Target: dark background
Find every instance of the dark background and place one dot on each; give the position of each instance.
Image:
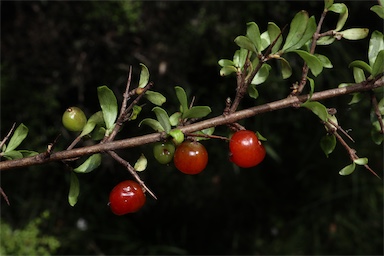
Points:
(55, 54)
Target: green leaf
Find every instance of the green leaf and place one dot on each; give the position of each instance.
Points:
(342, 10)
(135, 112)
(379, 10)
(317, 108)
(273, 32)
(312, 86)
(154, 124)
(245, 43)
(163, 118)
(328, 3)
(252, 91)
(376, 44)
(208, 131)
(355, 33)
(357, 97)
(227, 70)
(361, 161)
(308, 33)
(225, 62)
(262, 74)
(90, 164)
(95, 119)
(296, 30)
(378, 66)
(286, 70)
(175, 118)
(182, 97)
(177, 135)
(328, 144)
(108, 104)
(74, 189)
(358, 75)
(98, 133)
(347, 169)
(155, 97)
(144, 76)
(380, 106)
(197, 112)
(28, 153)
(18, 136)
(264, 41)
(324, 60)
(240, 57)
(253, 33)
(376, 136)
(141, 163)
(314, 64)
(325, 40)
(361, 64)
(11, 155)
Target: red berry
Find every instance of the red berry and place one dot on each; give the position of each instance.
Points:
(246, 149)
(126, 197)
(190, 157)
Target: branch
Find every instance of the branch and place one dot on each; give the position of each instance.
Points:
(212, 122)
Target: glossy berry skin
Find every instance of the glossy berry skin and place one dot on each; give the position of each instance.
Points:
(245, 149)
(163, 152)
(74, 119)
(190, 157)
(126, 197)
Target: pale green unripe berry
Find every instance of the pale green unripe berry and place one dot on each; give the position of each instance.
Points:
(74, 119)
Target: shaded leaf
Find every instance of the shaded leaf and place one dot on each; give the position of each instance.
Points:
(308, 33)
(314, 64)
(135, 112)
(312, 87)
(182, 97)
(90, 164)
(28, 153)
(358, 75)
(154, 124)
(317, 108)
(379, 10)
(18, 136)
(264, 41)
(208, 131)
(74, 189)
(240, 57)
(342, 10)
(274, 32)
(328, 144)
(95, 119)
(108, 104)
(328, 3)
(163, 118)
(227, 70)
(361, 64)
(144, 76)
(225, 62)
(296, 30)
(286, 70)
(252, 91)
(245, 43)
(324, 60)
(376, 44)
(325, 40)
(175, 118)
(253, 33)
(262, 74)
(378, 66)
(347, 169)
(197, 112)
(356, 97)
(11, 155)
(155, 97)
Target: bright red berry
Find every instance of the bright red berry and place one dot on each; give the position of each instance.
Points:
(190, 157)
(245, 149)
(126, 197)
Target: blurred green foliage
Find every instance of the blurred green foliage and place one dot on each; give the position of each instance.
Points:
(55, 55)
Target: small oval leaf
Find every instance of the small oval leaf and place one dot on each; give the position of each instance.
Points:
(245, 43)
(155, 97)
(141, 163)
(144, 76)
(182, 97)
(90, 164)
(355, 33)
(317, 108)
(253, 33)
(314, 64)
(95, 119)
(18, 136)
(361, 161)
(347, 169)
(360, 64)
(74, 189)
(163, 118)
(378, 66)
(177, 135)
(197, 112)
(376, 44)
(328, 144)
(108, 104)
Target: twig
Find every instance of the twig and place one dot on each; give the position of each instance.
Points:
(4, 196)
(6, 137)
(377, 111)
(305, 69)
(212, 122)
(131, 170)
